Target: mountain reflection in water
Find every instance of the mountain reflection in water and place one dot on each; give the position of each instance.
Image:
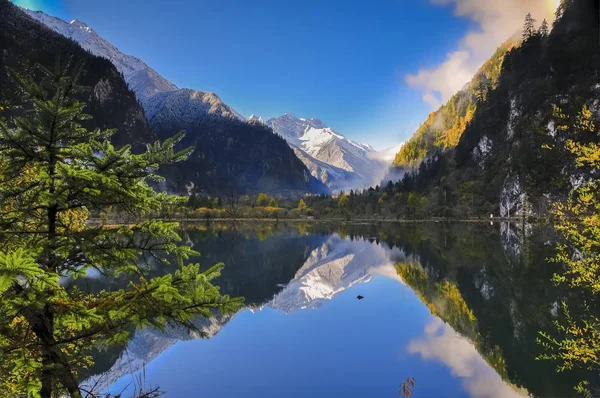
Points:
(457, 307)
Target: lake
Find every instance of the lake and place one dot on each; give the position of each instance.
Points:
(457, 307)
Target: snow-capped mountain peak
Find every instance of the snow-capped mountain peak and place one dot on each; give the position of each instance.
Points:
(311, 134)
(255, 119)
(337, 161)
(314, 123)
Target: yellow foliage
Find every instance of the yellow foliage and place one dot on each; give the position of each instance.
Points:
(73, 220)
(579, 222)
(343, 201)
(271, 209)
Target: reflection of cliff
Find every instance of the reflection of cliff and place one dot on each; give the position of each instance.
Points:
(500, 278)
(445, 301)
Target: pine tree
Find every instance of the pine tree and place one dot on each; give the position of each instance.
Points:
(543, 31)
(528, 27)
(560, 10)
(55, 175)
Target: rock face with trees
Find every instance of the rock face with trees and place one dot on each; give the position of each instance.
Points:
(443, 128)
(498, 162)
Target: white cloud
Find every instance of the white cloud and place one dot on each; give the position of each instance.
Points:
(442, 343)
(387, 155)
(496, 21)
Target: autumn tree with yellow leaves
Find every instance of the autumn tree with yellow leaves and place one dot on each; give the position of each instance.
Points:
(578, 342)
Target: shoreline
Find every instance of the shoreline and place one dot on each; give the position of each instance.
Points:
(512, 220)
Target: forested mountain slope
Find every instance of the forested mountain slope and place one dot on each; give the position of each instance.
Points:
(23, 42)
(230, 154)
(511, 159)
(443, 128)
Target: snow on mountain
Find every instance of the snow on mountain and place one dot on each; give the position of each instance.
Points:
(255, 119)
(335, 266)
(187, 106)
(334, 177)
(312, 136)
(144, 81)
(148, 344)
(337, 161)
(332, 268)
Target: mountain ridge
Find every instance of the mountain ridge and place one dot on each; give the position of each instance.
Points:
(25, 42)
(335, 160)
(140, 77)
(230, 154)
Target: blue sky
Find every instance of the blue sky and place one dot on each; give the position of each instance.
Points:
(344, 62)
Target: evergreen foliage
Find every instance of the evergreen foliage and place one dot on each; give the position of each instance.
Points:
(528, 27)
(543, 31)
(54, 175)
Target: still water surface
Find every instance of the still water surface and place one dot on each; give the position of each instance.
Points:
(457, 307)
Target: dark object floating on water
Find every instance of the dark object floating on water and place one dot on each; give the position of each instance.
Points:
(359, 297)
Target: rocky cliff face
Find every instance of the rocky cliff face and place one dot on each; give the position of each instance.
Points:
(511, 157)
(444, 127)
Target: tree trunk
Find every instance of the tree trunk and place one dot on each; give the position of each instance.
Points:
(55, 366)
